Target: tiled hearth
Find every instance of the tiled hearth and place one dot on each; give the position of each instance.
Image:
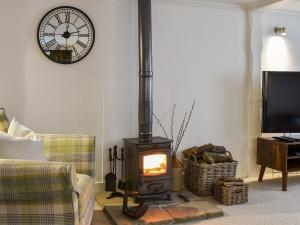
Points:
(162, 212)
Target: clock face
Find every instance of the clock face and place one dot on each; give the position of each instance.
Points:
(66, 35)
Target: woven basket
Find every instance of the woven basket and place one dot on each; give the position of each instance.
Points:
(231, 193)
(199, 178)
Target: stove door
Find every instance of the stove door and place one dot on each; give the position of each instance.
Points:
(155, 164)
(154, 171)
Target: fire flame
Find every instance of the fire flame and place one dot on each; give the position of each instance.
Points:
(155, 164)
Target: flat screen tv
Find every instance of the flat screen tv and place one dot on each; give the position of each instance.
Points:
(281, 102)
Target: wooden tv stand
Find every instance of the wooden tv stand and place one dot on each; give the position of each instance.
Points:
(278, 155)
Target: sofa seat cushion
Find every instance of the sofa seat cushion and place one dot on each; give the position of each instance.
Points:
(85, 190)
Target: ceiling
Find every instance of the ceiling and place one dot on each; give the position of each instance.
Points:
(281, 5)
(291, 6)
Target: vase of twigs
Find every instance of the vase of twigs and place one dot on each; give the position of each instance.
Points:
(177, 174)
(177, 166)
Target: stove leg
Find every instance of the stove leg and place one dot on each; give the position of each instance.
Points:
(169, 198)
(136, 211)
(136, 199)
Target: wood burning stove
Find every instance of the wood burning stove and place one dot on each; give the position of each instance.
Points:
(148, 167)
(147, 158)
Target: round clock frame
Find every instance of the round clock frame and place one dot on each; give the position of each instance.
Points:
(55, 45)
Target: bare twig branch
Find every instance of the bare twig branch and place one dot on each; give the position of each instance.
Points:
(186, 125)
(182, 129)
(172, 127)
(179, 134)
(161, 126)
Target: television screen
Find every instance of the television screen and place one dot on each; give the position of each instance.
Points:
(281, 102)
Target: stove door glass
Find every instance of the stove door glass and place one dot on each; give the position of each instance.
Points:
(155, 164)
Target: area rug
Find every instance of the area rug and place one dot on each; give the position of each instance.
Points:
(102, 200)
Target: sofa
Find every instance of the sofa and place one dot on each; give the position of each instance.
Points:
(55, 192)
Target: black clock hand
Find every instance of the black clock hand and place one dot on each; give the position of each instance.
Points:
(75, 32)
(69, 33)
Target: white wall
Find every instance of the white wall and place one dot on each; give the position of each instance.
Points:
(198, 50)
(281, 52)
(199, 53)
(270, 52)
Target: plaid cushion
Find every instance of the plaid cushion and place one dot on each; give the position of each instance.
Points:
(35, 192)
(76, 149)
(4, 122)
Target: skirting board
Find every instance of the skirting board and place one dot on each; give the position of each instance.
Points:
(99, 187)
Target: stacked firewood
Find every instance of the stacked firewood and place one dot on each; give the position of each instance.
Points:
(208, 153)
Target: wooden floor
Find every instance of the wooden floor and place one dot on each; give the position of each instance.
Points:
(99, 218)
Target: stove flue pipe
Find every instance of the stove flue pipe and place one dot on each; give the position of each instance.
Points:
(145, 70)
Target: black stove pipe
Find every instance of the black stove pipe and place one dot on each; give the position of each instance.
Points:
(145, 70)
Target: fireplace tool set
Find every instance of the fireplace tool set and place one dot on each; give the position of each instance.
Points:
(111, 177)
(111, 185)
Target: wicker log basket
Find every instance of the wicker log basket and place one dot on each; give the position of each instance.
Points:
(199, 178)
(231, 193)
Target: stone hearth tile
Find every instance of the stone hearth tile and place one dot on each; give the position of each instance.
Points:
(175, 200)
(196, 210)
(154, 216)
(189, 196)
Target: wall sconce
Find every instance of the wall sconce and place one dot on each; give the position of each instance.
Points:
(280, 31)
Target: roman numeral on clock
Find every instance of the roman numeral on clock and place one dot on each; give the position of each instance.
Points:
(58, 19)
(49, 34)
(75, 51)
(54, 27)
(83, 35)
(81, 44)
(57, 47)
(50, 43)
(67, 17)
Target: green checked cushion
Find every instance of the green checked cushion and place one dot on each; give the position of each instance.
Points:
(76, 149)
(4, 122)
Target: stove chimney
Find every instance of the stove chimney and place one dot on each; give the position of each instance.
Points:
(145, 71)
(141, 176)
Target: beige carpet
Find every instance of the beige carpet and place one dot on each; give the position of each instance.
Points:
(267, 205)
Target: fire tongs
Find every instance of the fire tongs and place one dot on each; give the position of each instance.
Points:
(136, 211)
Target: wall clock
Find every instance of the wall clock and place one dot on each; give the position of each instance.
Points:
(66, 35)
